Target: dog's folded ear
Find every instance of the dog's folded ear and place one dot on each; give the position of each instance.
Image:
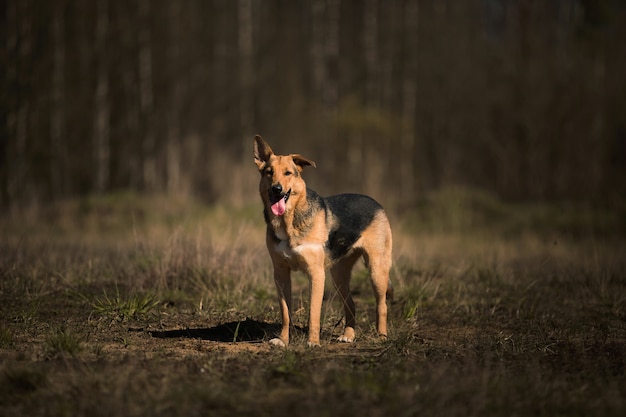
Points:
(262, 151)
(301, 161)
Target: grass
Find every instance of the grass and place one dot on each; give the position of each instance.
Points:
(63, 341)
(172, 317)
(123, 309)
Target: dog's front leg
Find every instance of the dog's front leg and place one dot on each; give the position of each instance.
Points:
(316, 277)
(282, 279)
(312, 257)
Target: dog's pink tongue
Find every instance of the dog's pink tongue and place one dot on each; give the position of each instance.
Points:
(278, 208)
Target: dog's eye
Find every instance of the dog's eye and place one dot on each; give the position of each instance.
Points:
(288, 173)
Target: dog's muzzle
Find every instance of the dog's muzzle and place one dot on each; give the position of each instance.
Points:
(278, 199)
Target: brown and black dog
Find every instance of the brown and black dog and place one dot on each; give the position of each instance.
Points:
(310, 233)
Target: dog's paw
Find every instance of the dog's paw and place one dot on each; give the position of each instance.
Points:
(277, 342)
(313, 344)
(345, 339)
(347, 336)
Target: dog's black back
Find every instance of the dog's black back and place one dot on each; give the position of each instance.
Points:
(349, 216)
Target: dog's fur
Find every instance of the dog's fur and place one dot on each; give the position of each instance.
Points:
(309, 233)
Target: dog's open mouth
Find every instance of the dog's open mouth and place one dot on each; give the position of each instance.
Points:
(278, 203)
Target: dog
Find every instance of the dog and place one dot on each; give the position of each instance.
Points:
(310, 233)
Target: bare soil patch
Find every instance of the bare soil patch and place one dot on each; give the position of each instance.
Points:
(175, 321)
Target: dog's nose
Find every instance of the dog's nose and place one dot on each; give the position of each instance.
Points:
(277, 189)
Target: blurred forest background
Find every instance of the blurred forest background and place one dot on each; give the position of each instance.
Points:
(522, 99)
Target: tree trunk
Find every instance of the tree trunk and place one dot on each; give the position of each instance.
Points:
(18, 183)
(246, 68)
(7, 151)
(331, 88)
(102, 110)
(59, 173)
(174, 185)
(409, 104)
(319, 71)
(146, 97)
(372, 60)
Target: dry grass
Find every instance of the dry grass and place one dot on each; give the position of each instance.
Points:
(169, 314)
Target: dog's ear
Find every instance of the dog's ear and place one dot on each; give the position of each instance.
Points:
(262, 151)
(301, 161)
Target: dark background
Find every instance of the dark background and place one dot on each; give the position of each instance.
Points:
(522, 99)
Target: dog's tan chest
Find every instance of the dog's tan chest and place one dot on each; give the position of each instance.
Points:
(301, 256)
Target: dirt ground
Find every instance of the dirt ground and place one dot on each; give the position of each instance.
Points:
(177, 321)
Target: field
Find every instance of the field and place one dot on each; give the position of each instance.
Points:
(129, 306)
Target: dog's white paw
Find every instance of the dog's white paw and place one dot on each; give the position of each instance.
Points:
(345, 339)
(277, 342)
(313, 344)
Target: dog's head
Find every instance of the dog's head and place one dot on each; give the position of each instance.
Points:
(281, 185)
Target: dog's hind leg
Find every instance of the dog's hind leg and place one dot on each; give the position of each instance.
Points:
(378, 259)
(379, 271)
(341, 273)
(377, 245)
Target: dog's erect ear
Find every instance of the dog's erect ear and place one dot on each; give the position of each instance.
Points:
(301, 161)
(262, 151)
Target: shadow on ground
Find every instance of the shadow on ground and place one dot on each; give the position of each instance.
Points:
(247, 330)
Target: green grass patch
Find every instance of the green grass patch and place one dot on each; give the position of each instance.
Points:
(118, 308)
(6, 338)
(63, 341)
